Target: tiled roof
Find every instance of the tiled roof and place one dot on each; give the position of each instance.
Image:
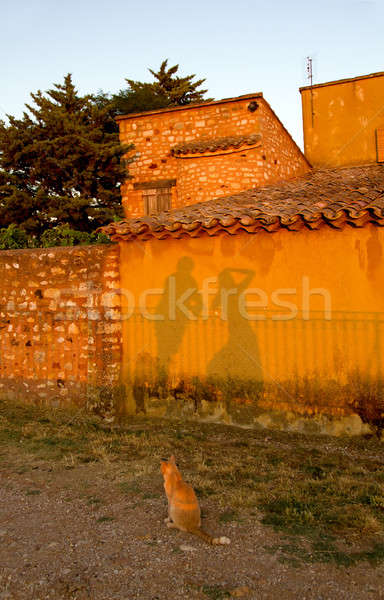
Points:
(202, 145)
(353, 196)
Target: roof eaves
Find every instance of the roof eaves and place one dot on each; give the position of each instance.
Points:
(335, 198)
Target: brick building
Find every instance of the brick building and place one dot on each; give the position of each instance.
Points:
(189, 154)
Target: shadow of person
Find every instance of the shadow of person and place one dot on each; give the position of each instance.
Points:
(239, 358)
(179, 304)
(144, 379)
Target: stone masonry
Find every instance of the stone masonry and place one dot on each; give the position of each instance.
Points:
(195, 153)
(60, 324)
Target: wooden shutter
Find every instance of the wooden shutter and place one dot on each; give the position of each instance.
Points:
(150, 202)
(156, 200)
(380, 144)
(163, 199)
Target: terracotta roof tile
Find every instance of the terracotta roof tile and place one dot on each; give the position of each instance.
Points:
(352, 196)
(202, 145)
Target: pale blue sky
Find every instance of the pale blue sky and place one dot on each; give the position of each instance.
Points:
(240, 46)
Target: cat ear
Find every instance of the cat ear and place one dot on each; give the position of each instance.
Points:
(172, 459)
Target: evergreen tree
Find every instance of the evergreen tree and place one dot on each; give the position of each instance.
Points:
(178, 90)
(138, 97)
(168, 89)
(62, 162)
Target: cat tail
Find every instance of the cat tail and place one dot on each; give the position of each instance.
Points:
(211, 540)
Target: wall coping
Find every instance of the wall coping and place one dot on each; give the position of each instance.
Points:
(188, 106)
(341, 81)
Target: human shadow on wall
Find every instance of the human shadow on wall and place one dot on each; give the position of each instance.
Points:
(179, 305)
(238, 361)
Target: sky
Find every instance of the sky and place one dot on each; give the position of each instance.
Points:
(239, 46)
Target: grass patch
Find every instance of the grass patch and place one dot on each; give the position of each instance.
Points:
(325, 495)
(94, 501)
(105, 519)
(325, 550)
(215, 592)
(32, 492)
(150, 495)
(227, 516)
(129, 488)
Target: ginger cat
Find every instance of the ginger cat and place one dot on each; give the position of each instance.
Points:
(183, 506)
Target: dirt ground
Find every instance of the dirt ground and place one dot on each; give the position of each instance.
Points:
(69, 533)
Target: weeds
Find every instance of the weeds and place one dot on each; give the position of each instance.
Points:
(326, 495)
(93, 500)
(215, 592)
(227, 516)
(129, 487)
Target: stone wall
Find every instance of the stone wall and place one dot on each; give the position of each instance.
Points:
(311, 360)
(60, 324)
(282, 159)
(222, 174)
(207, 175)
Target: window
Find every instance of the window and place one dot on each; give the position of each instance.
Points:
(380, 144)
(156, 200)
(157, 195)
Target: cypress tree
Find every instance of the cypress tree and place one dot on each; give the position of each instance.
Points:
(168, 89)
(179, 90)
(62, 162)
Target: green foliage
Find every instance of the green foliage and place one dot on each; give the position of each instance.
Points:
(179, 90)
(63, 235)
(215, 592)
(62, 162)
(13, 237)
(168, 89)
(138, 97)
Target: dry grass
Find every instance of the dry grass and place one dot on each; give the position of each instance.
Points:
(326, 495)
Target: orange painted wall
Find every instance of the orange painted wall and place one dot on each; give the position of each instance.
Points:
(340, 119)
(305, 362)
(290, 322)
(201, 178)
(60, 340)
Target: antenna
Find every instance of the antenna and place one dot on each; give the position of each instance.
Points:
(309, 70)
(310, 77)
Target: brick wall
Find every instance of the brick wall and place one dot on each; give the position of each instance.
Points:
(201, 177)
(60, 328)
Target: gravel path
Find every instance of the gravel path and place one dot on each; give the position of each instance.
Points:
(57, 545)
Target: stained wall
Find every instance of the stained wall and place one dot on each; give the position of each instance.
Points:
(280, 329)
(341, 119)
(288, 322)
